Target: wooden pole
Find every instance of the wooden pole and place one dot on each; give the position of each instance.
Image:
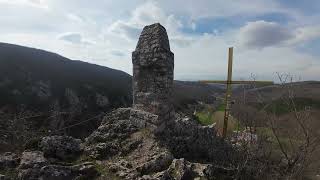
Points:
(228, 94)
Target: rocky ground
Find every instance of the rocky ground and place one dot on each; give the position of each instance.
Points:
(127, 146)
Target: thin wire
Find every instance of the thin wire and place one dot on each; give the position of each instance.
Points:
(42, 114)
(76, 124)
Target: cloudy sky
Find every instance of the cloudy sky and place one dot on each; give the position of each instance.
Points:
(269, 36)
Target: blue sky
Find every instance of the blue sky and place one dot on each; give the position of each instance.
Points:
(269, 36)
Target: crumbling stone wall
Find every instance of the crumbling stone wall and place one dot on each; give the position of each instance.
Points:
(153, 65)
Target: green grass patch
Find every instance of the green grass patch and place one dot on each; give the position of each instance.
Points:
(221, 107)
(205, 117)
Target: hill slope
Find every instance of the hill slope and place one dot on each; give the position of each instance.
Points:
(43, 76)
(58, 91)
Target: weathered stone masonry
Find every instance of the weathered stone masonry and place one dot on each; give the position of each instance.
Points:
(153, 65)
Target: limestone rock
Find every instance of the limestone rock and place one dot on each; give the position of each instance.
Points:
(186, 138)
(52, 172)
(120, 113)
(42, 89)
(60, 147)
(85, 170)
(143, 119)
(102, 100)
(179, 170)
(30, 159)
(133, 151)
(101, 150)
(145, 161)
(123, 169)
(158, 163)
(153, 65)
(72, 97)
(9, 160)
(126, 142)
(156, 176)
(30, 165)
(113, 135)
(109, 139)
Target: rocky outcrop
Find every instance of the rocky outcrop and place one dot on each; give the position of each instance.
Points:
(126, 147)
(110, 137)
(132, 150)
(31, 159)
(30, 165)
(153, 65)
(102, 101)
(34, 165)
(186, 138)
(9, 160)
(179, 169)
(156, 163)
(85, 170)
(60, 147)
(125, 142)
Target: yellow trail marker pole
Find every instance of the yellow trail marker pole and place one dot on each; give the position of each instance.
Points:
(228, 94)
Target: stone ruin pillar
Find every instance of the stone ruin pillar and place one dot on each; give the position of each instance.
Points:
(153, 65)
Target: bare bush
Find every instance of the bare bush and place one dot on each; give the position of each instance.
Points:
(287, 141)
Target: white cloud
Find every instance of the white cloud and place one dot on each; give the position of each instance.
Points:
(206, 58)
(260, 34)
(220, 8)
(182, 41)
(32, 3)
(148, 13)
(75, 38)
(145, 14)
(193, 25)
(117, 53)
(125, 30)
(304, 34)
(75, 18)
(266, 62)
